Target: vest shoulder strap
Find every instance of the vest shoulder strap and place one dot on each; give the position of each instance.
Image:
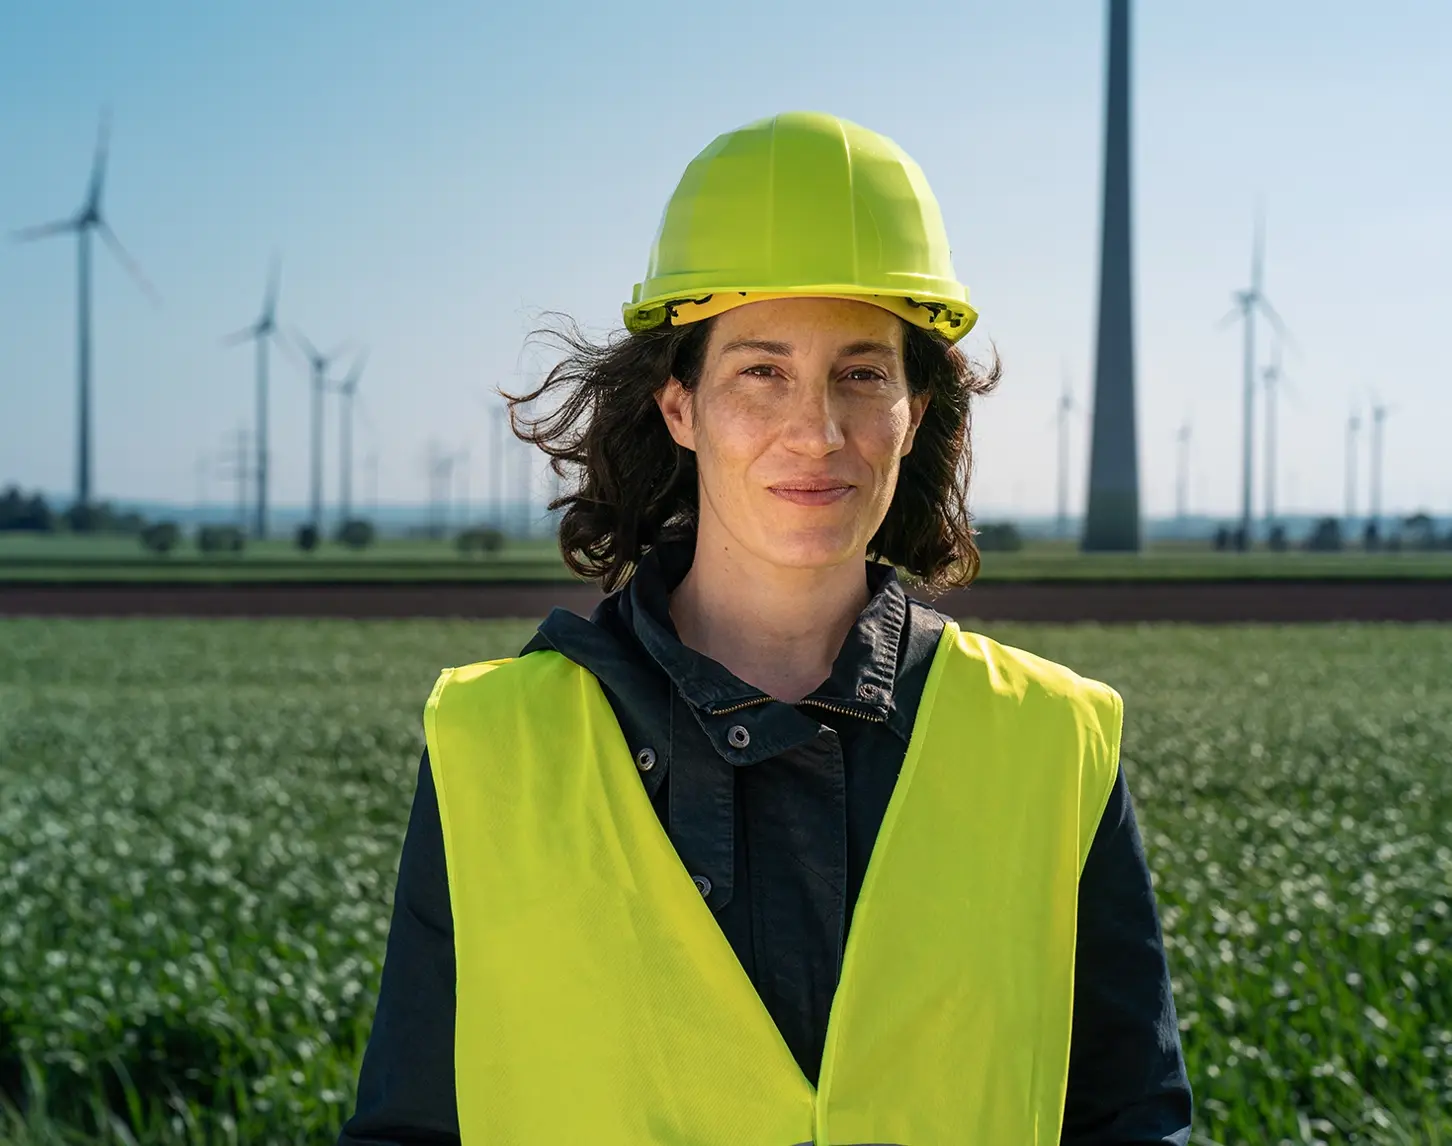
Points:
(1095, 710)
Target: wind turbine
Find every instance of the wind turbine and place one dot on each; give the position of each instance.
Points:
(525, 456)
(319, 363)
(1182, 478)
(1353, 424)
(501, 437)
(348, 388)
(259, 333)
(89, 218)
(1066, 407)
(1247, 302)
(461, 459)
(1379, 411)
(1275, 378)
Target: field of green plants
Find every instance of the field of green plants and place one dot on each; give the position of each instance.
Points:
(200, 825)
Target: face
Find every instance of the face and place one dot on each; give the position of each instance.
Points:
(798, 422)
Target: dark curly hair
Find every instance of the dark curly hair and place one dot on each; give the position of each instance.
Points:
(635, 487)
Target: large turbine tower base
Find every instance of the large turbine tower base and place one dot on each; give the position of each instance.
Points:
(1112, 515)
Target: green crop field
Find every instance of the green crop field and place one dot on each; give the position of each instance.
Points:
(201, 822)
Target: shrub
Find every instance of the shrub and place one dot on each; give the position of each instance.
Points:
(1419, 532)
(998, 537)
(356, 533)
(1277, 539)
(220, 539)
(483, 539)
(160, 537)
(1325, 535)
(18, 512)
(307, 538)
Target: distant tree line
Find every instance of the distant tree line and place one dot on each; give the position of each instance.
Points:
(32, 514)
(1416, 532)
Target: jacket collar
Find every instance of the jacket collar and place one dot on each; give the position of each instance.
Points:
(862, 676)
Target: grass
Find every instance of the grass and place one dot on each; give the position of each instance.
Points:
(80, 559)
(201, 822)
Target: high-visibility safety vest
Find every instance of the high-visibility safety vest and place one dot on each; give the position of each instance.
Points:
(598, 1000)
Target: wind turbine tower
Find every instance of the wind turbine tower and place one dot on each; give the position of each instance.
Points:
(319, 363)
(260, 333)
(1353, 424)
(1379, 411)
(1066, 408)
(348, 390)
(1273, 376)
(1182, 477)
(1247, 303)
(1111, 519)
(89, 218)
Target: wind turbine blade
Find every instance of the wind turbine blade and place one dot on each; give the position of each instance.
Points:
(98, 164)
(269, 302)
(351, 381)
(337, 351)
(1228, 319)
(1257, 258)
(307, 347)
(127, 261)
(45, 230)
(1277, 323)
(286, 343)
(246, 334)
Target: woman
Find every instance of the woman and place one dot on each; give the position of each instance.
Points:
(767, 852)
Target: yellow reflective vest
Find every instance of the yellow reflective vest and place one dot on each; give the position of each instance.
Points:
(598, 1001)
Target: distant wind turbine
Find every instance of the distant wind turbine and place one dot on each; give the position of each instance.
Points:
(1275, 379)
(1247, 302)
(260, 333)
(348, 390)
(1182, 479)
(1353, 424)
(1066, 408)
(89, 218)
(1379, 411)
(319, 363)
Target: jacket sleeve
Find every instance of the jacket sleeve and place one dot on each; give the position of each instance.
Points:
(406, 1085)
(1127, 1080)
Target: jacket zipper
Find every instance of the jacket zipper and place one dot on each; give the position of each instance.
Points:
(869, 716)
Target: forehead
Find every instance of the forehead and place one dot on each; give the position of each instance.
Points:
(808, 325)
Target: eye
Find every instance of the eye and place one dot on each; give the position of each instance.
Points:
(760, 370)
(865, 374)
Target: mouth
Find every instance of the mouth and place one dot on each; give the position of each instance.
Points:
(812, 492)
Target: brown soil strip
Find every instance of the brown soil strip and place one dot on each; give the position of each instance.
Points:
(1203, 602)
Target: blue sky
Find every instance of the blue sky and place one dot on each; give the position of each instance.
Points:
(437, 175)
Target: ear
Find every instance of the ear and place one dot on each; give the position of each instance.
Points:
(676, 407)
(917, 407)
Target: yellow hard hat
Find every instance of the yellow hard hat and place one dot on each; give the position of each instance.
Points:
(802, 204)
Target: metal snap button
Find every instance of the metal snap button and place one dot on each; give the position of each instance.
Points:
(703, 885)
(738, 736)
(867, 691)
(645, 759)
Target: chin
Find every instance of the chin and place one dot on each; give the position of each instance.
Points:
(815, 549)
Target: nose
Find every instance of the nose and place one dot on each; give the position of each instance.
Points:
(812, 423)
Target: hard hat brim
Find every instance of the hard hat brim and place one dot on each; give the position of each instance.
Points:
(950, 317)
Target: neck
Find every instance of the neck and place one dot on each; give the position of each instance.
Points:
(775, 627)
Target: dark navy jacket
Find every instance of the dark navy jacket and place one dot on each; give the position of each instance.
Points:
(777, 835)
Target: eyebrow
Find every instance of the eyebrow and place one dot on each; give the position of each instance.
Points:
(784, 349)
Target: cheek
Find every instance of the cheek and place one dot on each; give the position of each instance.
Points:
(881, 435)
(733, 431)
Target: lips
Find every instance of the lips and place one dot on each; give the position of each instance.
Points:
(812, 492)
